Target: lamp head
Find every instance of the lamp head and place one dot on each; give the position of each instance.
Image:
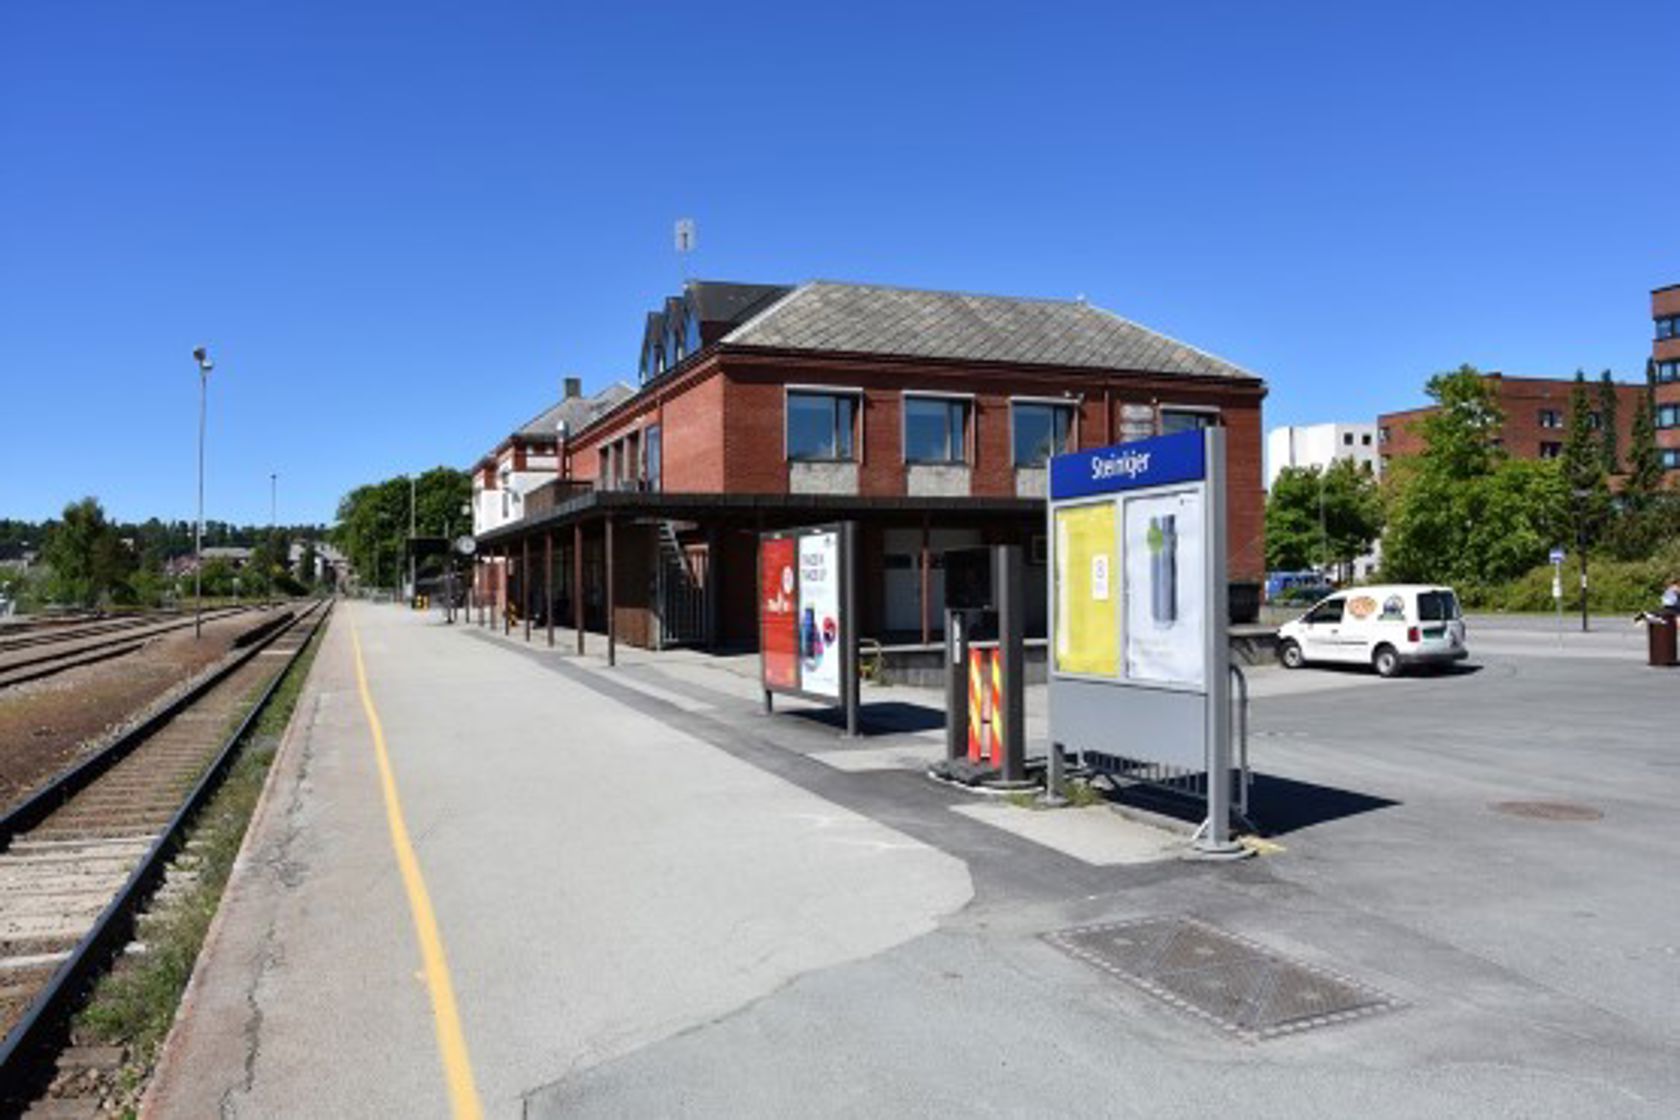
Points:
(202, 357)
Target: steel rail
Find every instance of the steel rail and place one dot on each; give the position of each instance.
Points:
(123, 629)
(49, 1011)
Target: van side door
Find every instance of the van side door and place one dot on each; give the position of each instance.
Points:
(1321, 630)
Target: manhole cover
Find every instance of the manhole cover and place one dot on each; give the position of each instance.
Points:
(1230, 981)
(1548, 810)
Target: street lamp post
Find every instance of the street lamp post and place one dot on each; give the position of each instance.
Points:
(413, 582)
(1581, 497)
(205, 365)
(273, 507)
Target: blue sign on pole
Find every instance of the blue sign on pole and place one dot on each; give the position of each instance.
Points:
(1557, 555)
(1180, 457)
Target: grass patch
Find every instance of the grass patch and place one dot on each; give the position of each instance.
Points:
(134, 1004)
(1079, 795)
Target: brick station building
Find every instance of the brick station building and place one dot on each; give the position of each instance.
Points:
(1536, 418)
(1665, 375)
(926, 417)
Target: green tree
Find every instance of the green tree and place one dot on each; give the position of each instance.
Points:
(1462, 433)
(89, 562)
(372, 527)
(308, 561)
(1322, 517)
(1608, 439)
(1645, 471)
(1583, 465)
(1462, 511)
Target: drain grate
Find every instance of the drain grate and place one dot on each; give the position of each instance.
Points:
(1228, 980)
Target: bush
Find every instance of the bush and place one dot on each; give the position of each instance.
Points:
(1613, 586)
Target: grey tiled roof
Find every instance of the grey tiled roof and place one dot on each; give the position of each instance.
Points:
(576, 411)
(868, 319)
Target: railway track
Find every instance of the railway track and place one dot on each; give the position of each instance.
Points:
(80, 858)
(41, 655)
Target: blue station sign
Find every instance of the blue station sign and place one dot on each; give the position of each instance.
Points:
(1180, 457)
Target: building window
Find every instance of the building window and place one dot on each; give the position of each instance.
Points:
(1671, 458)
(1184, 420)
(1668, 416)
(935, 429)
(1668, 327)
(1668, 371)
(1382, 434)
(652, 456)
(1040, 431)
(821, 426)
(1550, 450)
(1365, 439)
(1595, 420)
(1551, 418)
(1347, 439)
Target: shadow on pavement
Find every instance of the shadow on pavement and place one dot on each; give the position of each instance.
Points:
(886, 717)
(1275, 805)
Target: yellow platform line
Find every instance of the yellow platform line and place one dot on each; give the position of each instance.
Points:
(446, 1017)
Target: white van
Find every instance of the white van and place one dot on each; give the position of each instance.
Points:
(1387, 628)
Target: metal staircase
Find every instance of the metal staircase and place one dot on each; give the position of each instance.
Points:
(680, 591)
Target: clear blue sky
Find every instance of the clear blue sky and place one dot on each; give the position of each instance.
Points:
(399, 225)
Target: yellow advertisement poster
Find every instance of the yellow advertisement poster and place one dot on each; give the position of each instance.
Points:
(1088, 580)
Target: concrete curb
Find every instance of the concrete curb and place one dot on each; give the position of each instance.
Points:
(163, 1073)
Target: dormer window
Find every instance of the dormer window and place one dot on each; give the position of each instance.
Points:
(691, 328)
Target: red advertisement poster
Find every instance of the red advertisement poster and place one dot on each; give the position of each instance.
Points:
(778, 608)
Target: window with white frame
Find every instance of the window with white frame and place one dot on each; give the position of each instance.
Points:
(935, 429)
(821, 426)
(1189, 420)
(1040, 430)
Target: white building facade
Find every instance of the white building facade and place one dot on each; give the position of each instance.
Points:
(1320, 445)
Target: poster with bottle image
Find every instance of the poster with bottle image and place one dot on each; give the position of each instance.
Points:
(819, 614)
(1164, 633)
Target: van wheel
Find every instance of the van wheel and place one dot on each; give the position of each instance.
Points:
(1386, 662)
(1290, 654)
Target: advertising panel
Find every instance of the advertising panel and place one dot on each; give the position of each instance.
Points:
(1087, 591)
(819, 613)
(778, 612)
(1165, 615)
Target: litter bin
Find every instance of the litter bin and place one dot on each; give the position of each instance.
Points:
(1660, 636)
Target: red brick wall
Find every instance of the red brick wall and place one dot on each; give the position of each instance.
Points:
(1522, 400)
(1666, 302)
(691, 438)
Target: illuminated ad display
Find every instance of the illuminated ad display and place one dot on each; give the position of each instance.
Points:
(819, 614)
(1129, 558)
(802, 623)
(778, 611)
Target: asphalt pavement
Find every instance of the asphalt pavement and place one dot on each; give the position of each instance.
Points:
(658, 901)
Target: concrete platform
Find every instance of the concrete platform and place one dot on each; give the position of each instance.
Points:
(601, 880)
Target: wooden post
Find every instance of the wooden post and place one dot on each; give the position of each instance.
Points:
(507, 589)
(577, 582)
(714, 544)
(612, 615)
(548, 584)
(525, 585)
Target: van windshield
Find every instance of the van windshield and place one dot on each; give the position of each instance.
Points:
(1437, 606)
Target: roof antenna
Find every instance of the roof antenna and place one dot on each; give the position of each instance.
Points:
(684, 236)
